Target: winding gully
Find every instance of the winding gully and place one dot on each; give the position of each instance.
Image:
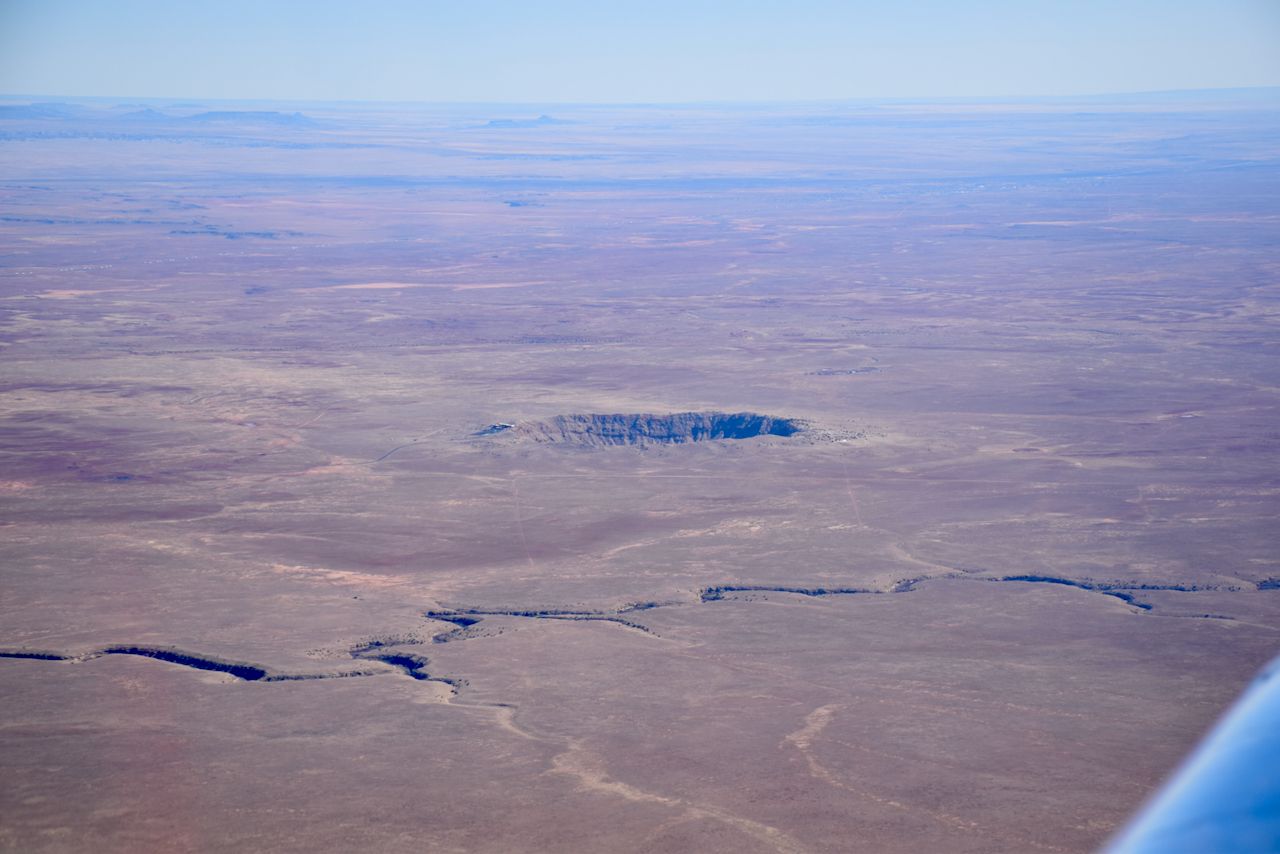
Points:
(388, 657)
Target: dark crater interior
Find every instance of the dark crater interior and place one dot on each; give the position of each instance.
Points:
(645, 429)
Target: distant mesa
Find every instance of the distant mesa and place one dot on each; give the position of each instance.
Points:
(645, 429)
(146, 114)
(39, 111)
(540, 121)
(242, 117)
(149, 115)
(261, 117)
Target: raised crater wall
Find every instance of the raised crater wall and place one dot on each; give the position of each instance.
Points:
(598, 430)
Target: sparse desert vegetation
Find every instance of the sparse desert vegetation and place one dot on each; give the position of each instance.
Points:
(785, 478)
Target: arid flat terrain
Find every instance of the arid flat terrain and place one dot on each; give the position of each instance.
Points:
(887, 477)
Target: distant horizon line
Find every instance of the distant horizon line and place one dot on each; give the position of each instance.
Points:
(885, 99)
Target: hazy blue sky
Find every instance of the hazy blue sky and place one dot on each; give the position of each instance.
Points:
(656, 50)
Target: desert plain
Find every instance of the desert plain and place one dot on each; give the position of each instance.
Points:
(887, 477)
